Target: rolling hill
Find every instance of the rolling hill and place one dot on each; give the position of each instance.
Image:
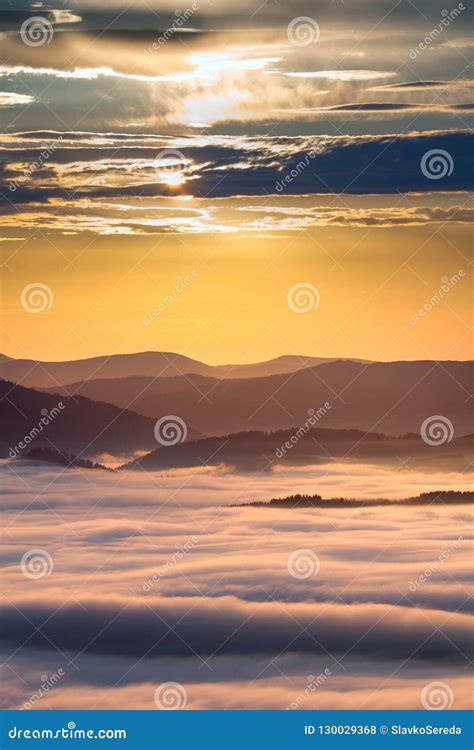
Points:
(38, 374)
(450, 497)
(389, 397)
(80, 426)
(259, 451)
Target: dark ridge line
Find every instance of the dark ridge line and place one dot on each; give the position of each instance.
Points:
(316, 501)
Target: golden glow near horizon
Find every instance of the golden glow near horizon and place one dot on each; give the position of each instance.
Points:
(224, 299)
(232, 184)
(196, 180)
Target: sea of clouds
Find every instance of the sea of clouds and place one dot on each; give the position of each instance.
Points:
(153, 578)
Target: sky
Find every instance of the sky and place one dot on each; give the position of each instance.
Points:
(235, 182)
(210, 162)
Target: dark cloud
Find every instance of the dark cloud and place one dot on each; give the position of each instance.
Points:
(370, 107)
(11, 19)
(119, 14)
(185, 627)
(393, 107)
(412, 85)
(254, 166)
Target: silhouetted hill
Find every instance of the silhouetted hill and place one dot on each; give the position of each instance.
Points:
(32, 418)
(442, 497)
(38, 374)
(389, 397)
(258, 451)
(60, 458)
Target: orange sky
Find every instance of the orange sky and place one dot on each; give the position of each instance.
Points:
(128, 164)
(224, 299)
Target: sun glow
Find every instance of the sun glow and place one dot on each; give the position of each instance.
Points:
(173, 178)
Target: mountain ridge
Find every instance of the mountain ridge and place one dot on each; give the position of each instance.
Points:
(47, 374)
(80, 426)
(394, 397)
(261, 451)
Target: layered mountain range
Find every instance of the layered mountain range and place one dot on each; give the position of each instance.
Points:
(39, 374)
(239, 415)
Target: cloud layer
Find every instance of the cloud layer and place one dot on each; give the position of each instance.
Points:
(175, 586)
(121, 184)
